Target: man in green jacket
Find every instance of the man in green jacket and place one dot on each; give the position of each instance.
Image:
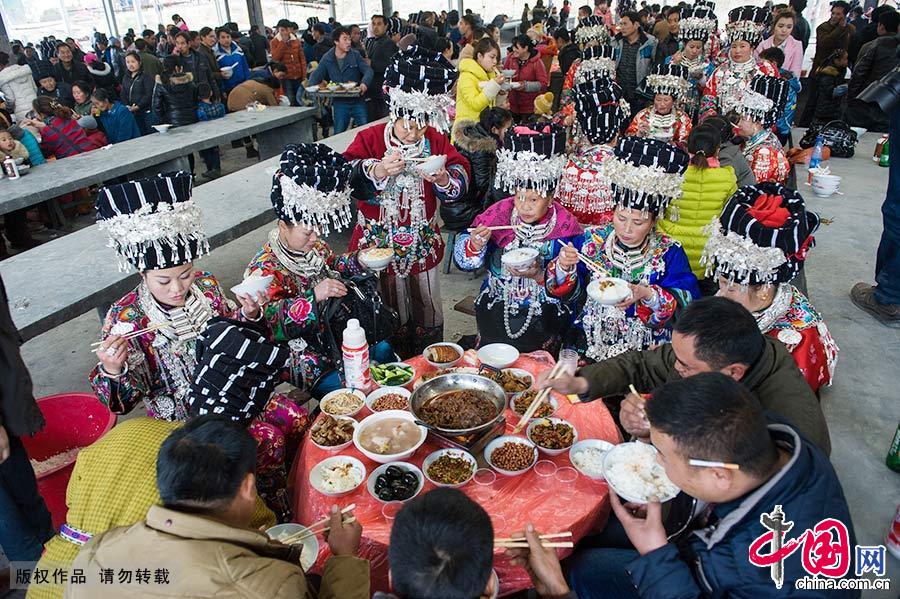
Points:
(713, 334)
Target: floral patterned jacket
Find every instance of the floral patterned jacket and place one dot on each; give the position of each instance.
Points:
(146, 379)
(292, 312)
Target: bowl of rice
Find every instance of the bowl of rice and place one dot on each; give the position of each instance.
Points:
(634, 474)
(587, 456)
(310, 544)
(338, 475)
(343, 402)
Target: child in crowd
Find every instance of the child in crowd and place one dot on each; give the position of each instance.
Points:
(9, 147)
(207, 110)
(786, 120)
(771, 470)
(707, 186)
(442, 545)
(832, 88)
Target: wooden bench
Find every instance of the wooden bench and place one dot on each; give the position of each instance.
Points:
(72, 275)
(151, 154)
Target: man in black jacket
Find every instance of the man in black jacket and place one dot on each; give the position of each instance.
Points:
(259, 44)
(25, 525)
(876, 59)
(801, 29)
(192, 61)
(669, 45)
(380, 49)
(427, 34)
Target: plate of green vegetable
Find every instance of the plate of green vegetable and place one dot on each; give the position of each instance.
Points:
(393, 374)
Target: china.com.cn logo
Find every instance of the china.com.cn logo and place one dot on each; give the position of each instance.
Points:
(825, 552)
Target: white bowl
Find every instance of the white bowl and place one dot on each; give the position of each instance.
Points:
(588, 444)
(315, 475)
(824, 193)
(370, 484)
(340, 447)
(23, 169)
(508, 72)
(489, 451)
(369, 258)
(546, 450)
(311, 89)
(385, 458)
(253, 285)
(452, 363)
(616, 484)
(859, 131)
(457, 453)
(348, 85)
(520, 372)
(381, 391)
(162, 128)
(550, 399)
(355, 392)
(310, 550)
(611, 295)
(433, 164)
(498, 355)
(519, 257)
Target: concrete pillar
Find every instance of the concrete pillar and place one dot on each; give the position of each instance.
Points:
(227, 11)
(110, 15)
(139, 17)
(255, 13)
(387, 8)
(159, 15)
(4, 36)
(331, 10)
(65, 17)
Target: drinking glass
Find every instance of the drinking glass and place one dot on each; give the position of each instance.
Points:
(546, 473)
(389, 510)
(566, 477)
(568, 360)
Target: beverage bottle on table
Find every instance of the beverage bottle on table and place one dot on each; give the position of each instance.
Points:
(893, 456)
(10, 168)
(355, 350)
(816, 159)
(885, 159)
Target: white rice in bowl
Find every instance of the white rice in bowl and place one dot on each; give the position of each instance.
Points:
(340, 477)
(632, 471)
(590, 461)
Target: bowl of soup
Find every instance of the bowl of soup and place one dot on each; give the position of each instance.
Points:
(389, 436)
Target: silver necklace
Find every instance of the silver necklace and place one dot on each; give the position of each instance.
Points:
(305, 264)
(767, 318)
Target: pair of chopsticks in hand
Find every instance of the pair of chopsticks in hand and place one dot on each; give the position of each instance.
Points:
(694, 461)
(497, 228)
(318, 527)
(589, 264)
(538, 399)
(522, 543)
(138, 333)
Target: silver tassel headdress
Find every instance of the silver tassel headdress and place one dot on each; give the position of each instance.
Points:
(596, 61)
(696, 23)
(762, 236)
(152, 223)
(669, 79)
(592, 29)
(419, 83)
(531, 159)
(312, 187)
(747, 23)
(645, 174)
(764, 100)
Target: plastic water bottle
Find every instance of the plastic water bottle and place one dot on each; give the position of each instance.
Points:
(355, 350)
(816, 157)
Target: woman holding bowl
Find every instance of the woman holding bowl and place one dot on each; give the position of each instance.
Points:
(645, 175)
(515, 239)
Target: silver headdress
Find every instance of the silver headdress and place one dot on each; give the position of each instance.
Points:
(532, 159)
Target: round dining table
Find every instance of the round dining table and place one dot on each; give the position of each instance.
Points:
(579, 507)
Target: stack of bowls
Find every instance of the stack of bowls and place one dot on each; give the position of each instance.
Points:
(824, 185)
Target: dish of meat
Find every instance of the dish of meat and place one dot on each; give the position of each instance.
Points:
(455, 410)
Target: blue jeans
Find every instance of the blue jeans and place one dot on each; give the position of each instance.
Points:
(344, 111)
(25, 523)
(600, 574)
(887, 263)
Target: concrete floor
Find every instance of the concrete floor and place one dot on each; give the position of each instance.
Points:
(862, 406)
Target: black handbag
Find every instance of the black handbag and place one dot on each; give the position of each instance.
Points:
(838, 136)
(363, 303)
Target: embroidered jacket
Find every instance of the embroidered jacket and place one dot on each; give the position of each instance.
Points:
(584, 189)
(725, 86)
(148, 379)
(677, 134)
(766, 157)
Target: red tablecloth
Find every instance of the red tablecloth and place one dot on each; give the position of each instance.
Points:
(513, 501)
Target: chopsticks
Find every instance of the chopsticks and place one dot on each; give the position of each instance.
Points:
(540, 397)
(138, 333)
(591, 265)
(708, 464)
(497, 228)
(633, 390)
(311, 529)
(521, 542)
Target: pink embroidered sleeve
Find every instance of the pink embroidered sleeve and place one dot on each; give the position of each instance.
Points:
(657, 313)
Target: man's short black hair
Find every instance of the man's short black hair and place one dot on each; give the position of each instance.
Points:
(724, 332)
(631, 16)
(320, 28)
(275, 65)
(204, 91)
(141, 44)
(147, 32)
(201, 465)
(673, 11)
(890, 20)
(712, 417)
(383, 20)
(471, 20)
(337, 32)
(841, 4)
(442, 545)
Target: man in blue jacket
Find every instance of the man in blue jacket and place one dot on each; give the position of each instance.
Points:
(747, 466)
(343, 64)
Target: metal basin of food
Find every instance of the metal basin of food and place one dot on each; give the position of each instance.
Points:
(458, 382)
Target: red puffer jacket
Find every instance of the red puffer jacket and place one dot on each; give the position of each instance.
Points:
(533, 73)
(65, 137)
(291, 54)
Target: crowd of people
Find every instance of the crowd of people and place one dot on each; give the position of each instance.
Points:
(659, 163)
